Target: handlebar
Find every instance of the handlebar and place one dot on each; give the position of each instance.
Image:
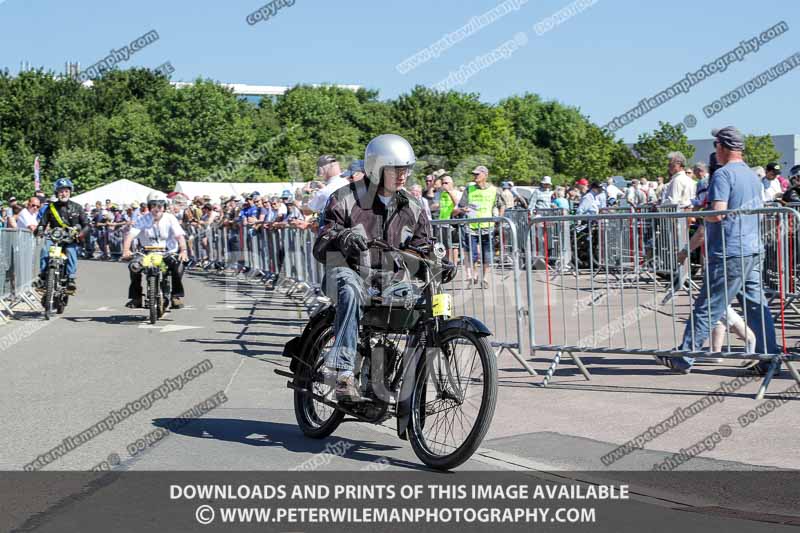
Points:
(61, 234)
(404, 250)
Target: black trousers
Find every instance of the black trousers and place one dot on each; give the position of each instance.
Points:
(175, 270)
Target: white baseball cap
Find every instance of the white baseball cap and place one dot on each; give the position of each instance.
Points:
(547, 180)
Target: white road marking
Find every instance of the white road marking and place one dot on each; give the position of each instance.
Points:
(168, 328)
(174, 327)
(233, 376)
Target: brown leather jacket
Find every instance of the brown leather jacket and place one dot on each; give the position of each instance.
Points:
(357, 206)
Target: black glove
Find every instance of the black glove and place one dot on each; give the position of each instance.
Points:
(449, 270)
(352, 243)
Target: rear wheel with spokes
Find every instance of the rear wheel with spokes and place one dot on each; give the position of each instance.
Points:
(454, 399)
(316, 419)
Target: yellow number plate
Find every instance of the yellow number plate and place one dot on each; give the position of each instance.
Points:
(152, 260)
(442, 305)
(55, 251)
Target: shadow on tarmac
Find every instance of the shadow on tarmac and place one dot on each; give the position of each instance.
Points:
(287, 436)
(243, 347)
(113, 320)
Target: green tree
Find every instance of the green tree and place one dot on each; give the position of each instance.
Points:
(16, 170)
(115, 88)
(203, 126)
(443, 126)
(512, 158)
(87, 168)
(652, 148)
(41, 110)
(133, 124)
(759, 150)
(578, 147)
(133, 147)
(317, 120)
(591, 155)
(622, 159)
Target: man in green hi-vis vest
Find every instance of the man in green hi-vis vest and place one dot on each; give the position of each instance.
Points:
(446, 201)
(481, 200)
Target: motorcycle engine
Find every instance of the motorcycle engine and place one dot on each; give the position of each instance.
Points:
(381, 357)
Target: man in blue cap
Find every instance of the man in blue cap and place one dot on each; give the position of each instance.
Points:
(735, 253)
(355, 171)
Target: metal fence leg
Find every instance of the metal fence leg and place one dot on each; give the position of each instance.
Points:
(792, 370)
(551, 369)
(299, 290)
(771, 372)
(580, 366)
(30, 299)
(8, 310)
(519, 358)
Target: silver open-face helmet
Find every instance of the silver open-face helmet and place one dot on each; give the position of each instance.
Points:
(388, 150)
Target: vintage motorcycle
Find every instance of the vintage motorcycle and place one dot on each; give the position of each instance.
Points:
(436, 374)
(55, 282)
(158, 286)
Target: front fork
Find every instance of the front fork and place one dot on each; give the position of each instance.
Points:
(149, 273)
(418, 367)
(414, 368)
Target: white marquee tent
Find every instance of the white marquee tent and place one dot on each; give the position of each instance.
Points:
(119, 192)
(216, 190)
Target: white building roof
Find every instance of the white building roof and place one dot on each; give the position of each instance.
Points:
(245, 89)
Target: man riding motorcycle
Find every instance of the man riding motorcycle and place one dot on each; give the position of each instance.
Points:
(377, 208)
(162, 229)
(63, 213)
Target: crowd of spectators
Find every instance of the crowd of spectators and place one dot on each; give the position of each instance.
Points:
(684, 187)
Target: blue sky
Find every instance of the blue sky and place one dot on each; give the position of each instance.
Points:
(603, 60)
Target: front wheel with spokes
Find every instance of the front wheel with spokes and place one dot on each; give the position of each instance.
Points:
(454, 399)
(49, 292)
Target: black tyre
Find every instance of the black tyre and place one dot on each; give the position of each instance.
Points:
(61, 305)
(153, 298)
(454, 399)
(49, 293)
(166, 294)
(316, 420)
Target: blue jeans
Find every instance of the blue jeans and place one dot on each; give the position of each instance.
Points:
(261, 243)
(744, 283)
(234, 250)
(71, 250)
(484, 245)
(89, 243)
(348, 292)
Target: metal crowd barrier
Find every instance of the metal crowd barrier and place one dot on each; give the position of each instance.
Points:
(484, 291)
(585, 312)
(789, 273)
(604, 284)
(19, 264)
(283, 257)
